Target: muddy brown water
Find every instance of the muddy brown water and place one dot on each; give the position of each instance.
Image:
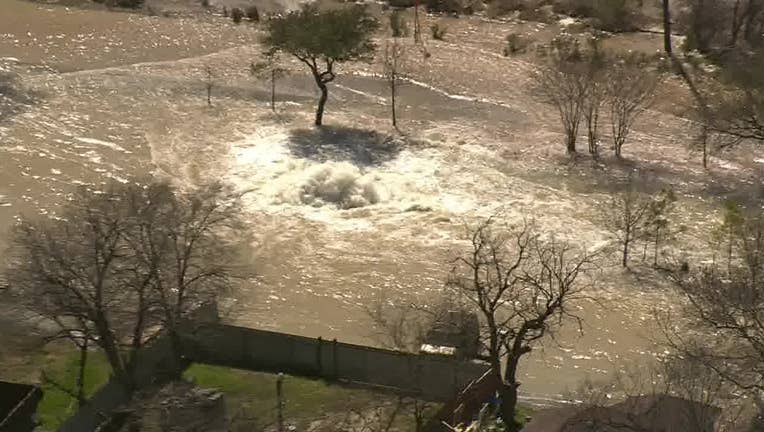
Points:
(122, 96)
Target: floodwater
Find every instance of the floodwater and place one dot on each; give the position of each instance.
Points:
(339, 217)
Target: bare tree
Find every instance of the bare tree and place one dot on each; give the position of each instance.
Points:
(625, 215)
(121, 263)
(208, 83)
(521, 286)
(398, 325)
(725, 307)
(270, 70)
(658, 224)
(631, 88)
(564, 83)
(393, 64)
(596, 93)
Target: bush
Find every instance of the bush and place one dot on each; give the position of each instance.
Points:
(445, 6)
(205, 3)
(252, 13)
(237, 15)
(131, 4)
(497, 8)
(609, 15)
(516, 43)
(398, 24)
(438, 31)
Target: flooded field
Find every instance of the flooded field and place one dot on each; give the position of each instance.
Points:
(355, 211)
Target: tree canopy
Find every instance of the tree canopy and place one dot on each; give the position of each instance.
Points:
(336, 35)
(321, 38)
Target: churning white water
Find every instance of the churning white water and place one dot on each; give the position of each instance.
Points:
(273, 179)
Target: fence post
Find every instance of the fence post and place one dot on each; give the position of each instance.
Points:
(280, 401)
(319, 359)
(334, 358)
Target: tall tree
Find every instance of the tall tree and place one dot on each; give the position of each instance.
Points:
(323, 38)
(122, 263)
(522, 287)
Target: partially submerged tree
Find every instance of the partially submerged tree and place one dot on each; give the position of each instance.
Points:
(595, 95)
(725, 308)
(270, 70)
(626, 215)
(659, 228)
(521, 286)
(322, 38)
(393, 64)
(208, 83)
(564, 83)
(121, 264)
(631, 88)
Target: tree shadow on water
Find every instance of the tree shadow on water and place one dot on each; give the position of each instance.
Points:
(338, 143)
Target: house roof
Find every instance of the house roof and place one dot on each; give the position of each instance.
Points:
(654, 413)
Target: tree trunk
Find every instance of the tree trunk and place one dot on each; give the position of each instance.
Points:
(111, 350)
(667, 27)
(417, 30)
(655, 251)
(626, 244)
(509, 395)
(392, 94)
(571, 143)
(321, 103)
(273, 90)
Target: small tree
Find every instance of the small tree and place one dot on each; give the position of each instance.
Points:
(398, 25)
(658, 224)
(564, 83)
(630, 93)
(252, 13)
(522, 287)
(393, 63)
(208, 83)
(320, 39)
(237, 15)
(596, 91)
(626, 215)
(270, 70)
(631, 89)
(730, 229)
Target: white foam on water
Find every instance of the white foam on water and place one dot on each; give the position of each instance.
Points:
(102, 143)
(272, 179)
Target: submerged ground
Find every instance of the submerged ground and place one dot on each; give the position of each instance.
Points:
(356, 211)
